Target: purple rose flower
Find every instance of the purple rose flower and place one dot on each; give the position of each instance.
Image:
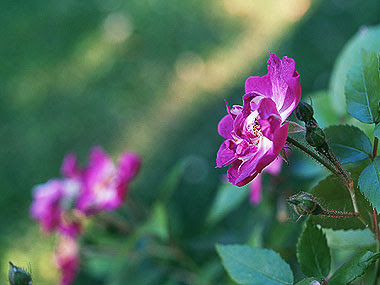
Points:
(105, 185)
(255, 132)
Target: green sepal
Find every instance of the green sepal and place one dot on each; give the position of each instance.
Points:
(304, 112)
(18, 276)
(305, 204)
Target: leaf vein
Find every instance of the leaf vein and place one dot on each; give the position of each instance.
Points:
(255, 269)
(351, 148)
(366, 94)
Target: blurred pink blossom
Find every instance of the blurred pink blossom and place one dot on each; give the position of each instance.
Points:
(49, 206)
(46, 204)
(256, 132)
(256, 187)
(104, 184)
(62, 204)
(67, 259)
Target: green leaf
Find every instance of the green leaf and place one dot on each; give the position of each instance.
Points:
(227, 199)
(247, 265)
(367, 38)
(157, 224)
(349, 238)
(171, 181)
(369, 183)
(334, 196)
(363, 89)
(100, 264)
(324, 112)
(376, 132)
(311, 281)
(351, 270)
(313, 252)
(348, 143)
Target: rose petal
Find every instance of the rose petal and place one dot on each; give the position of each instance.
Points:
(69, 166)
(286, 86)
(275, 167)
(259, 85)
(242, 173)
(269, 118)
(225, 127)
(46, 204)
(225, 155)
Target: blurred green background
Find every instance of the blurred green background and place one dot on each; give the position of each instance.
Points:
(149, 76)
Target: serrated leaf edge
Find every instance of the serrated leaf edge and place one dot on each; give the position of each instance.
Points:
(299, 241)
(353, 127)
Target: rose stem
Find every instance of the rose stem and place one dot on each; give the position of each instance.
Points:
(375, 222)
(375, 145)
(315, 156)
(326, 164)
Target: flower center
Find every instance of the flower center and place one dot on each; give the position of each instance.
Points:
(253, 130)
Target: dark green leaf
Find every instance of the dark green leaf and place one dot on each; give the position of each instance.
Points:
(311, 281)
(367, 38)
(313, 252)
(376, 132)
(348, 143)
(349, 271)
(227, 199)
(157, 224)
(363, 89)
(349, 238)
(247, 265)
(334, 196)
(369, 183)
(172, 180)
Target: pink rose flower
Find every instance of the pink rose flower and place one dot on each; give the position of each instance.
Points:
(46, 204)
(256, 132)
(256, 187)
(70, 167)
(54, 200)
(51, 202)
(67, 259)
(105, 185)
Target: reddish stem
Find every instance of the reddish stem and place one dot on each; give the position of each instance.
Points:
(376, 224)
(375, 145)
